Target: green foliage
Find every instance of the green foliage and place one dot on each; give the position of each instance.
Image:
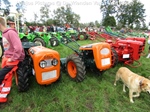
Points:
(65, 15)
(109, 21)
(97, 24)
(127, 14)
(35, 18)
(91, 24)
(44, 13)
(109, 7)
(131, 14)
(20, 7)
(5, 4)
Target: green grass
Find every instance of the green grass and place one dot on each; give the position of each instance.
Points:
(94, 94)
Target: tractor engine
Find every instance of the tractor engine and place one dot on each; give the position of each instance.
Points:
(89, 59)
(46, 64)
(128, 50)
(97, 55)
(42, 62)
(143, 40)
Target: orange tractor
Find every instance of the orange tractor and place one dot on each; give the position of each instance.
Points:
(97, 57)
(42, 62)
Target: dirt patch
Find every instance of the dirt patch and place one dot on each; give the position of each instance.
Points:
(3, 105)
(106, 102)
(67, 108)
(55, 99)
(32, 105)
(89, 104)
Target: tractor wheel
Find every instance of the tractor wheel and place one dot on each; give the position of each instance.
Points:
(64, 40)
(54, 42)
(24, 39)
(73, 37)
(39, 41)
(1, 49)
(75, 68)
(82, 36)
(22, 78)
(114, 57)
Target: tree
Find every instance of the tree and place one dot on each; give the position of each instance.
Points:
(51, 21)
(5, 3)
(21, 8)
(109, 21)
(44, 13)
(65, 15)
(83, 25)
(109, 7)
(132, 13)
(97, 24)
(91, 24)
(35, 18)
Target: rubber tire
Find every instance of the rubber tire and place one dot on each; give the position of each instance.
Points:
(23, 77)
(52, 40)
(1, 49)
(74, 37)
(64, 40)
(80, 67)
(114, 57)
(40, 40)
(24, 39)
(84, 36)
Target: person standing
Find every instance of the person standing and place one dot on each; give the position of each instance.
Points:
(25, 29)
(52, 28)
(148, 41)
(44, 29)
(37, 29)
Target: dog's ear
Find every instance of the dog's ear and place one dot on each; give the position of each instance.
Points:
(142, 85)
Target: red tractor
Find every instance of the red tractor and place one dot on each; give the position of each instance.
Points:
(128, 50)
(143, 40)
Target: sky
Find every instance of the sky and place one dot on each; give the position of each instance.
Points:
(89, 10)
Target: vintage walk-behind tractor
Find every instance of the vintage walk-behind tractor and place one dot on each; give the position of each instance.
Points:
(42, 62)
(97, 57)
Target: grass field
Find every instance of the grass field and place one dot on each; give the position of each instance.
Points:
(94, 94)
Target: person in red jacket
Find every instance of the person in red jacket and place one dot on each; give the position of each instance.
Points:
(13, 50)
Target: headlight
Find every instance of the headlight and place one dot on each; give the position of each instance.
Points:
(54, 62)
(31, 51)
(105, 51)
(43, 64)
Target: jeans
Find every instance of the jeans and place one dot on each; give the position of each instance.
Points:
(4, 71)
